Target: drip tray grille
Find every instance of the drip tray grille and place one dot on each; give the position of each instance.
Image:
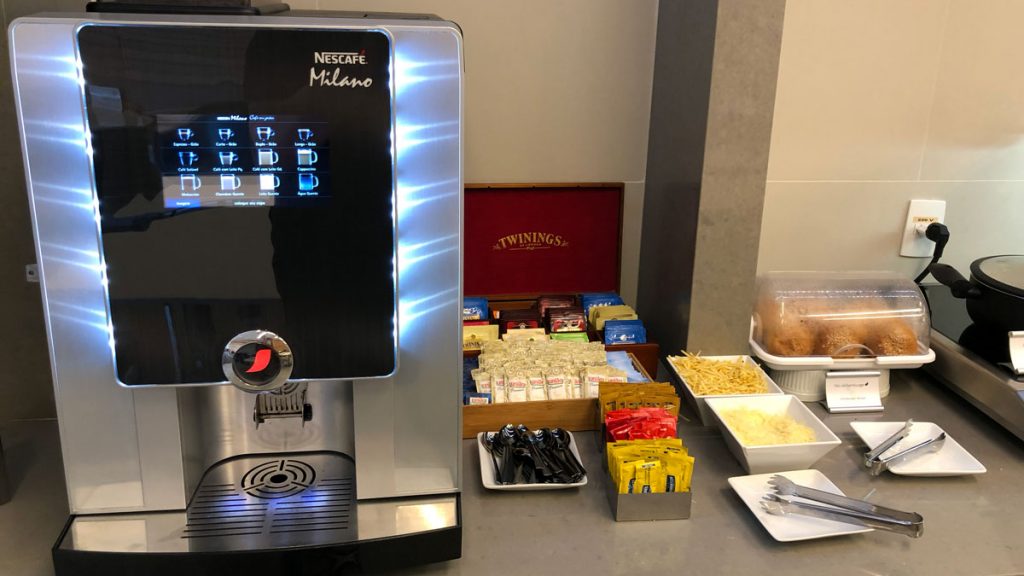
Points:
(272, 501)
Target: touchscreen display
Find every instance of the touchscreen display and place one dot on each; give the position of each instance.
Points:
(243, 160)
(241, 187)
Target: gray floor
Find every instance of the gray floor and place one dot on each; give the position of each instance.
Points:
(973, 524)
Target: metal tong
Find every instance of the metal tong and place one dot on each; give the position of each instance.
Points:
(840, 509)
(877, 464)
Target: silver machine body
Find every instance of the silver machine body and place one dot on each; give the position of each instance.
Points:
(168, 470)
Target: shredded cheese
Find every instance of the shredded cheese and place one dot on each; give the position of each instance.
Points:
(756, 428)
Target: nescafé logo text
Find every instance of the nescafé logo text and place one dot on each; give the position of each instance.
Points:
(530, 241)
(338, 77)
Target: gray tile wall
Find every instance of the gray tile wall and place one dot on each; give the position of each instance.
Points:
(714, 91)
(675, 160)
(739, 128)
(26, 390)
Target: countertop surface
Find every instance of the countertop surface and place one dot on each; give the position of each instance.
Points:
(973, 524)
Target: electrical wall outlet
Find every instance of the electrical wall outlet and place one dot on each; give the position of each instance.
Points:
(920, 214)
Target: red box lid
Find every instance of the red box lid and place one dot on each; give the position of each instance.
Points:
(548, 239)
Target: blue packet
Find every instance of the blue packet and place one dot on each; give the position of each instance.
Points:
(477, 399)
(593, 299)
(624, 332)
(474, 308)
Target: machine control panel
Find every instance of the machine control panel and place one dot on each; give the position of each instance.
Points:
(257, 361)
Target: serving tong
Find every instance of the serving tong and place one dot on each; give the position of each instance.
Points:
(877, 464)
(839, 509)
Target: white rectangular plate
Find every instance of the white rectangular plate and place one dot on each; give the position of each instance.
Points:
(950, 460)
(792, 527)
(490, 482)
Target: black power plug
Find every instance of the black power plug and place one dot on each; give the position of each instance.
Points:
(939, 233)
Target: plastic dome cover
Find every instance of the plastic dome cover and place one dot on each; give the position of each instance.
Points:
(840, 314)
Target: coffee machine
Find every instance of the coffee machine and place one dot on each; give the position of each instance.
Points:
(248, 232)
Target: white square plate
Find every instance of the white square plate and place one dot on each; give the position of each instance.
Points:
(490, 482)
(792, 527)
(950, 460)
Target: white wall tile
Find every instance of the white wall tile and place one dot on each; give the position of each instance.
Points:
(858, 225)
(855, 80)
(977, 125)
(555, 91)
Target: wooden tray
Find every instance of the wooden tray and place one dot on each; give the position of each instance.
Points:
(573, 414)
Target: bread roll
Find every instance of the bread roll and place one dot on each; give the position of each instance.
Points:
(840, 340)
(792, 339)
(892, 337)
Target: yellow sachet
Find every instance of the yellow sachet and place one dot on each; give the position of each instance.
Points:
(650, 466)
(678, 474)
(626, 477)
(649, 477)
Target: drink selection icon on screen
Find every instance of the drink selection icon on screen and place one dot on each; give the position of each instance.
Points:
(264, 133)
(187, 158)
(305, 134)
(230, 182)
(269, 182)
(190, 182)
(185, 134)
(225, 134)
(308, 182)
(306, 156)
(267, 157)
(227, 158)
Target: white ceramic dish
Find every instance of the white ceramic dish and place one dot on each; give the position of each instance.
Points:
(950, 460)
(774, 457)
(697, 401)
(491, 483)
(792, 528)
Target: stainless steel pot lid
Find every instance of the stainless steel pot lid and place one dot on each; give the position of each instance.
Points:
(1003, 273)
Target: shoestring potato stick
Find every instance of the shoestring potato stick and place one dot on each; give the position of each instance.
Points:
(718, 377)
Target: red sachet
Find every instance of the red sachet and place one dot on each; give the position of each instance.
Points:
(639, 424)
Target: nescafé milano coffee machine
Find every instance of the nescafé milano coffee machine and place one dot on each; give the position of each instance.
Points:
(248, 233)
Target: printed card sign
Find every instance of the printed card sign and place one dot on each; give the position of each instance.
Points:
(853, 392)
